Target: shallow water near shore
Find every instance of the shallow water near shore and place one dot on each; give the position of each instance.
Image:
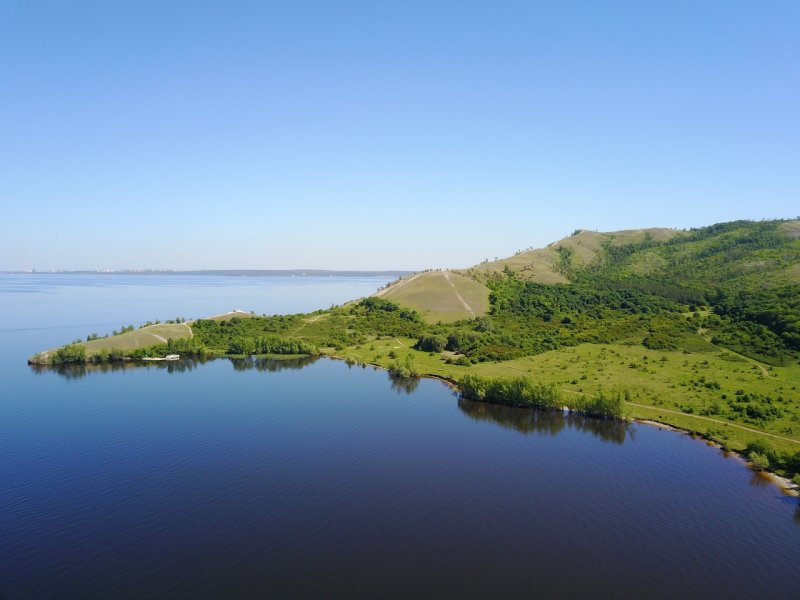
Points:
(254, 477)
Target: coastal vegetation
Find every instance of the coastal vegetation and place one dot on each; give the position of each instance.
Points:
(524, 392)
(699, 329)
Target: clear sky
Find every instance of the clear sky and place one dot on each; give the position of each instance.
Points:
(372, 135)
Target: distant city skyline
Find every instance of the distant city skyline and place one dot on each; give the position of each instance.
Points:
(369, 136)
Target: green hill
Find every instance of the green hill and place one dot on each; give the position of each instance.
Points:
(541, 265)
(125, 342)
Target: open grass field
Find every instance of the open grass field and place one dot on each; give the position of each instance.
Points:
(440, 296)
(138, 338)
(672, 387)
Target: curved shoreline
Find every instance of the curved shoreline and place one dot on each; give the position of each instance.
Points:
(785, 485)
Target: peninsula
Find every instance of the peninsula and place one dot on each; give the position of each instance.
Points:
(698, 329)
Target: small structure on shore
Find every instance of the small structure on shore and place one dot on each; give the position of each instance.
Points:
(167, 357)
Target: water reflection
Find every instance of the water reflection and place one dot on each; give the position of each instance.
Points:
(761, 479)
(78, 371)
(272, 365)
(183, 365)
(528, 421)
(68, 371)
(403, 384)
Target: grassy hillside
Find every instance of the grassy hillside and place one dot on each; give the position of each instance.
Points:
(440, 296)
(542, 265)
(144, 337)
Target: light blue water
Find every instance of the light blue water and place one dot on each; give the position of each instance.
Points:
(39, 311)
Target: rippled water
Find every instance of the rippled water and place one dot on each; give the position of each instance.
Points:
(257, 478)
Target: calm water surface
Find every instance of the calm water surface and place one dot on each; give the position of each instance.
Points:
(257, 478)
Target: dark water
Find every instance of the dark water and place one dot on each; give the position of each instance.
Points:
(257, 478)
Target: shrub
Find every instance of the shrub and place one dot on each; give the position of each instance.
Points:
(405, 369)
(74, 353)
(431, 343)
(759, 461)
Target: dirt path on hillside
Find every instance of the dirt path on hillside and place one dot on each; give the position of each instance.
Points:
(164, 340)
(309, 322)
(396, 286)
(463, 302)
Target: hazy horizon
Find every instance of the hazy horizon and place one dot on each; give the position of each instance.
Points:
(266, 272)
(309, 270)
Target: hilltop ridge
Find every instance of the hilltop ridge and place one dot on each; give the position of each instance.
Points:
(540, 264)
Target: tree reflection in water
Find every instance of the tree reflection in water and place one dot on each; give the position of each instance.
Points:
(527, 421)
(259, 363)
(82, 370)
(272, 365)
(760, 479)
(403, 384)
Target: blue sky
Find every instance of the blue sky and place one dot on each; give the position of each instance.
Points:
(379, 135)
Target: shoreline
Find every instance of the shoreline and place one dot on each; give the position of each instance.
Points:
(784, 484)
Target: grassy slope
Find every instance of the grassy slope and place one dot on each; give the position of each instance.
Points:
(139, 338)
(710, 261)
(539, 265)
(440, 296)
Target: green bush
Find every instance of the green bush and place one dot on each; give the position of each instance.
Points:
(71, 354)
(431, 343)
(522, 391)
(759, 461)
(405, 369)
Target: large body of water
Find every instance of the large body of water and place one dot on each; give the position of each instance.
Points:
(257, 478)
